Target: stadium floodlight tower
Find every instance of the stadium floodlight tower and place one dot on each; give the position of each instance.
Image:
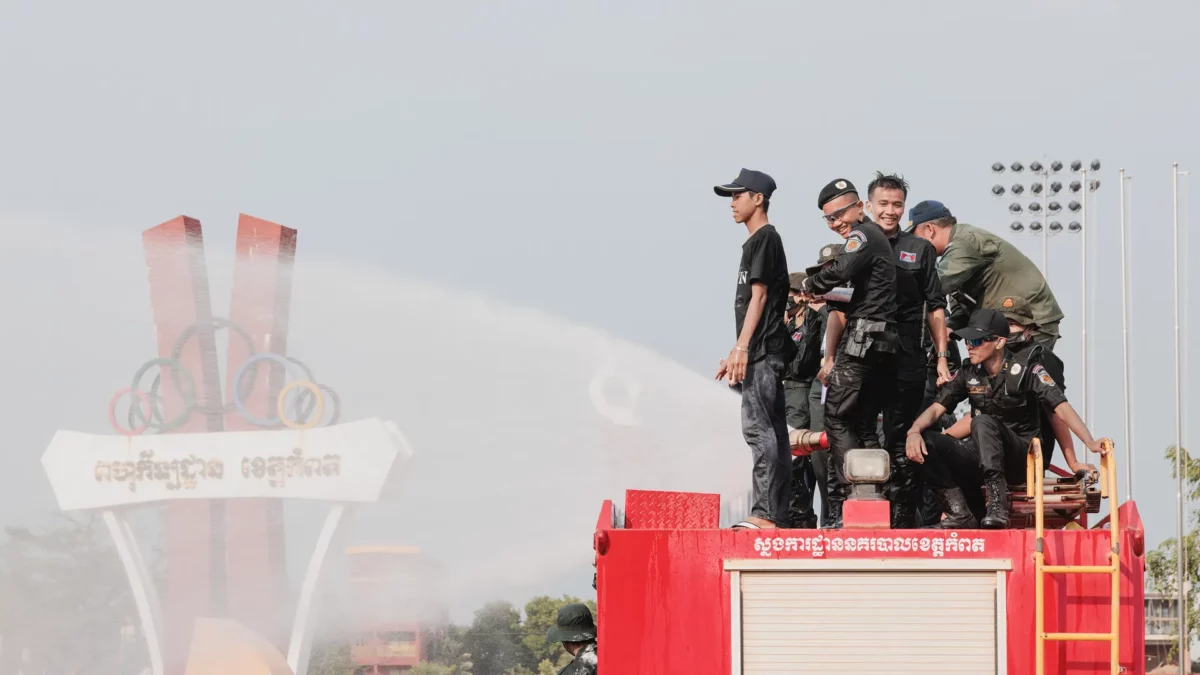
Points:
(1045, 207)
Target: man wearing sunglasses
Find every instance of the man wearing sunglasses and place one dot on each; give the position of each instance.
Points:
(1006, 402)
(985, 267)
(862, 381)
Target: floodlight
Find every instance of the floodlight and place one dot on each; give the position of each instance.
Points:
(1017, 188)
(1015, 207)
(1055, 187)
(1016, 226)
(1017, 167)
(1074, 226)
(997, 189)
(1056, 226)
(1035, 226)
(1076, 186)
(1035, 167)
(1056, 166)
(1054, 207)
(1076, 165)
(1036, 188)
(1093, 185)
(1095, 165)
(998, 168)
(1074, 206)
(1035, 207)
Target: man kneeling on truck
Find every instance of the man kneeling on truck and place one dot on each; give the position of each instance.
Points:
(1006, 400)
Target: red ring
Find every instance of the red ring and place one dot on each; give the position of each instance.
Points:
(112, 412)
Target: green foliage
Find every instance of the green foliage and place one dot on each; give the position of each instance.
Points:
(67, 580)
(426, 668)
(1162, 563)
(540, 614)
(493, 639)
(331, 657)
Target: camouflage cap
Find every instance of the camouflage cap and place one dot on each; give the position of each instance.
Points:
(795, 279)
(1018, 310)
(829, 252)
(574, 624)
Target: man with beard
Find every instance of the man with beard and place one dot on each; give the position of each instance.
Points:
(862, 378)
(920, 305)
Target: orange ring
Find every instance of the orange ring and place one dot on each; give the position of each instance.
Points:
(317, 413)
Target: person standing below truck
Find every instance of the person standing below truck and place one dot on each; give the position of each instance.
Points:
(806, 323)
(576, 630)
(921, 326)
(1006, 401)
(755, 364)
(861, 379)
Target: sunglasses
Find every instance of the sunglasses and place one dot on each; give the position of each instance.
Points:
(833, 217)
(979, 341)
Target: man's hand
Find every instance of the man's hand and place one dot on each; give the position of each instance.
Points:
(1097, 448)
(1076, 467)
(914, 447)
(736, 364)
(826, 368)
(943, 371)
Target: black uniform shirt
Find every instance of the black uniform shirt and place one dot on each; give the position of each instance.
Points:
(1019, 409)
(867, 264)
(918, 286)
(809, 337)
(763, 260)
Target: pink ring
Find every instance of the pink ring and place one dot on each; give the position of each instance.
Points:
(112, 412)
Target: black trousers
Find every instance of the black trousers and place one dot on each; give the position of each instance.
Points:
(991, 452)
(912, 366)
(805, 411)
(765, 429)
(859, 389)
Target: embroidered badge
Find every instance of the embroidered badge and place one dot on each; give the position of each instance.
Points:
(905, 256)
(1016, 369)
(855, 241)
(1008, 303)
(841, 185)
(1046, 379)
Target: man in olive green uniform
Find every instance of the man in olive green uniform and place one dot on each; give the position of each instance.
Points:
(988, 269)
(576, 630)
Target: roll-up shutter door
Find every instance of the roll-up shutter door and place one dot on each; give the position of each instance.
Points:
(851, 622)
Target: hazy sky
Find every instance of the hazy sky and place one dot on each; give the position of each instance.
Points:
(560, 156)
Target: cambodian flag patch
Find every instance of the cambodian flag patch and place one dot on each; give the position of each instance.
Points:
(905, 256)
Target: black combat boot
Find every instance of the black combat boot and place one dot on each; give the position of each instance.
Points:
(958, 515)
(834, 521)
(997, 505)
(904, 516)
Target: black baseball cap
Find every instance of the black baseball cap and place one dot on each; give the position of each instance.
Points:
(926, 211)
(748, 181)
(984, 323)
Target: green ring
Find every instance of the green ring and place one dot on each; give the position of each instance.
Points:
(189, 396)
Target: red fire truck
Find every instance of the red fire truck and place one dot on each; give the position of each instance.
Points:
(1049, 595)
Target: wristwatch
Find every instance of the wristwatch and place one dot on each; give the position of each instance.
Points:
(943, 355)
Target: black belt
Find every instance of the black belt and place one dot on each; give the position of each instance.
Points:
(910, 329)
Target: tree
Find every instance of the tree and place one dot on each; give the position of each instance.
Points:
(494, 640)
(1162, 563)
(331, 657)
(540, 614)
(68, 600)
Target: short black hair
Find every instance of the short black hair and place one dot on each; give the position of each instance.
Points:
(887, 181)
(766, 205)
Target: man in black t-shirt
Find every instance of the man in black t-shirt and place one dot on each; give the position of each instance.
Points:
(763, 347)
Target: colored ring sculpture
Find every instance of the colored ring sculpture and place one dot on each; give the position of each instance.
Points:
(189, 396)
(112, 412)
(153, 408)
(190, 332)
(239, 404)
(317, 413)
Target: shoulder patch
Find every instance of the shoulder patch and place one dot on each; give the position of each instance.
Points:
(906, 256)
(1046, 379)
(855, 241)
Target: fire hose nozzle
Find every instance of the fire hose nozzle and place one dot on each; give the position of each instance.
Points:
(805, 442)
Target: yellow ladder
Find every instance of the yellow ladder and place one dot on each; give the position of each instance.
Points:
(1035, 475)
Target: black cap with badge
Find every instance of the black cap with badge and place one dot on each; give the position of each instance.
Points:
(748, 181)
(836, 188)
(984, 323)
(829, 252)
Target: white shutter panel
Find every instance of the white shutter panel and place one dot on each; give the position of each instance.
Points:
(900, 623)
